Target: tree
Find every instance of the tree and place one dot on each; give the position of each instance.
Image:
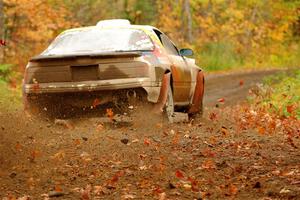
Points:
(1, 30)
(30, 26)
(188, 21)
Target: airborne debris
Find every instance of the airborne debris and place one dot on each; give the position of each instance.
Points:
(125, 141)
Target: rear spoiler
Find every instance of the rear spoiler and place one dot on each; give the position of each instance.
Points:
(98, 55)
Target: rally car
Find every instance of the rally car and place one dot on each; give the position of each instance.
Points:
(113, 61)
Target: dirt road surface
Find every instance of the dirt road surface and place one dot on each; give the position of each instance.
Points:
(233, 87)
(90, 158)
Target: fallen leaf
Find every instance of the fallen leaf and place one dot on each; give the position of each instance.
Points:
(77, 142)
(18, 146)
(96, 102)
(208, 153)
(175, 139)
(57, 188)
(194, 184)
(290, 109)
(179, 174)
(208, 164)
(162, 196)
(187, 186)
(213, 116)
(116, 177)
(33, 155)
(221, 100)
(147, 142)
(157, 190)
(110, 113)
(241, 83)
(58, 156)
(224, 131)
(261, 130)
(232, 189)
(22, 198)
(100, 127)
(284, 191)
(99, 190)
(128, 196)
(85, 194)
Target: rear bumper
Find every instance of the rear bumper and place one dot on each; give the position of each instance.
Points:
(87, 86)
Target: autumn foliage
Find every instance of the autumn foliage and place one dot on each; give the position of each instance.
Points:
(224, 33)
(29, 27)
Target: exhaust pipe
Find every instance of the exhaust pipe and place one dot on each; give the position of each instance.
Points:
(130, 94)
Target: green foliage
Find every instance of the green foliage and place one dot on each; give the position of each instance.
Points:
(5, 72)
(9, 98)
(219, 56)
(284, 95)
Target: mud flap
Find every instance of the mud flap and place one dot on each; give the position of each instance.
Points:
(159, 106)
(196, 106)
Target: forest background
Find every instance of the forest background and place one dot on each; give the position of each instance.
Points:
(225, 34)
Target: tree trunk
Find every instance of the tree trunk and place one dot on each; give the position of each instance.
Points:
(187, 10)
(1, 31)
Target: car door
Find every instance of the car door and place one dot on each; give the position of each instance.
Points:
(181, 72)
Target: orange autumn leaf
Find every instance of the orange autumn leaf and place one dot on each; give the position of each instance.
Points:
(157, 190)
(179, 174)
(57, 188)
(233, 190)
(208, 164)
(147, 142)
(110, 113)
(18, 146)
(241, 82)
(224, 131)
(208, 153)
(77, 142)
(96, 102)
(261, 130)
(116, 177)
(175, 139)
(213, 116)
(194, 184)
(290, 109)
(221, 100)
(33, 155)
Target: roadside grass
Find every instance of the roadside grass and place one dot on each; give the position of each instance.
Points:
(10, 97)
(222, 56)
(280, 94)
(219, 56)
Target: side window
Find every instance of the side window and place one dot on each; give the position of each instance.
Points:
(169, 46)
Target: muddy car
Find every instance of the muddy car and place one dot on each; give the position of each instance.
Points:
(113, 62)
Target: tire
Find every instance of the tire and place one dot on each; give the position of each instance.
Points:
(168, 110)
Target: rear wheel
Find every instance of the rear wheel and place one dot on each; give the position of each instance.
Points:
(168, 110)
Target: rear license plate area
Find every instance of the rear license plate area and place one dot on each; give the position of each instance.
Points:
(85, 73)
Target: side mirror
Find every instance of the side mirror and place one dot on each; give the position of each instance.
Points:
(186, 52)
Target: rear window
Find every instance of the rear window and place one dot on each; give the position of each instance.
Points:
(98, 40)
